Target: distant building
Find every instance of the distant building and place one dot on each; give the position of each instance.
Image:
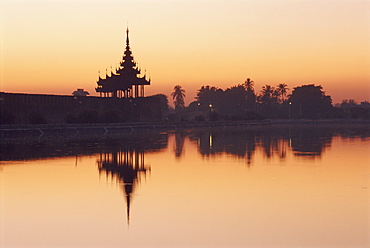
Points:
(80, 92)
(125, 82)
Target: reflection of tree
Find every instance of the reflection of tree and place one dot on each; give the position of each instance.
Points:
(179, 143)
(126, 166)
(240, 144)
(305, 140)
(310, 142)
(273, 142)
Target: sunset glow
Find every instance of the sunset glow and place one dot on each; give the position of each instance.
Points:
(55, 47)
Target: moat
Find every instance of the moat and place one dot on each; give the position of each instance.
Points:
(262, 186)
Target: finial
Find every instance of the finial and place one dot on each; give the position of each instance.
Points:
(127, 39)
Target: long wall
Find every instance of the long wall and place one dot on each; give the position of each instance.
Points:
(17, 108)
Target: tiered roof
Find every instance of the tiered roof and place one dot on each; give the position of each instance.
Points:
(125, 76)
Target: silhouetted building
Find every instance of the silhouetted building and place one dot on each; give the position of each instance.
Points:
(125, 82)
(121, 100)
(80, 92)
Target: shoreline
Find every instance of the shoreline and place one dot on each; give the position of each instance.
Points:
(175, 125)
(17, 130)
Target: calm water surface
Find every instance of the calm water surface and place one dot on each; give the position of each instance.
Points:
(289, 187)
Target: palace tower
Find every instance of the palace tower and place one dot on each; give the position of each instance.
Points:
(126, 81)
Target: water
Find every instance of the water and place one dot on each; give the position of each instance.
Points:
(263, 187)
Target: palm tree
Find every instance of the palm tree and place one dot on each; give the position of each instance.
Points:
(178, 96)
(268, 95)
(251, 96)
(267, 91)
(249, 85)
(268, 101)
(282, 89)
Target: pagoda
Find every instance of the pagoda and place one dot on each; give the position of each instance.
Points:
(126, 81)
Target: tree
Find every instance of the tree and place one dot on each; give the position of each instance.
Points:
(207, 95)
(251, 96)
(249, 84)
(348, 103)
(234, 100)
(235, 103)
(163, 102)
(282, 91)
(178, 96)
(268, 101)
(310, 101)
(268, 95)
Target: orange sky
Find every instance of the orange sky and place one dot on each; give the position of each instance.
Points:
(58, 46)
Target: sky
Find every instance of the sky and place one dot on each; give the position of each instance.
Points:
(57, 46)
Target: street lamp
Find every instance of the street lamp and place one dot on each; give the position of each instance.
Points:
(210, 111)
(290, 103)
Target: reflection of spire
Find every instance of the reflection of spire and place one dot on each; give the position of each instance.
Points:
(127, 39)
(127, 166)
(128, 207)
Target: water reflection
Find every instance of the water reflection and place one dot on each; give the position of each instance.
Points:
(127, 166)
(188, 203)
(309, 142)
(179, 143)
(53, 146)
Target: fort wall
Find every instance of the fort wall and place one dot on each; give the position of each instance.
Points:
(18, 108)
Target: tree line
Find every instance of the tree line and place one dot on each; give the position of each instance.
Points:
(243, 102)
